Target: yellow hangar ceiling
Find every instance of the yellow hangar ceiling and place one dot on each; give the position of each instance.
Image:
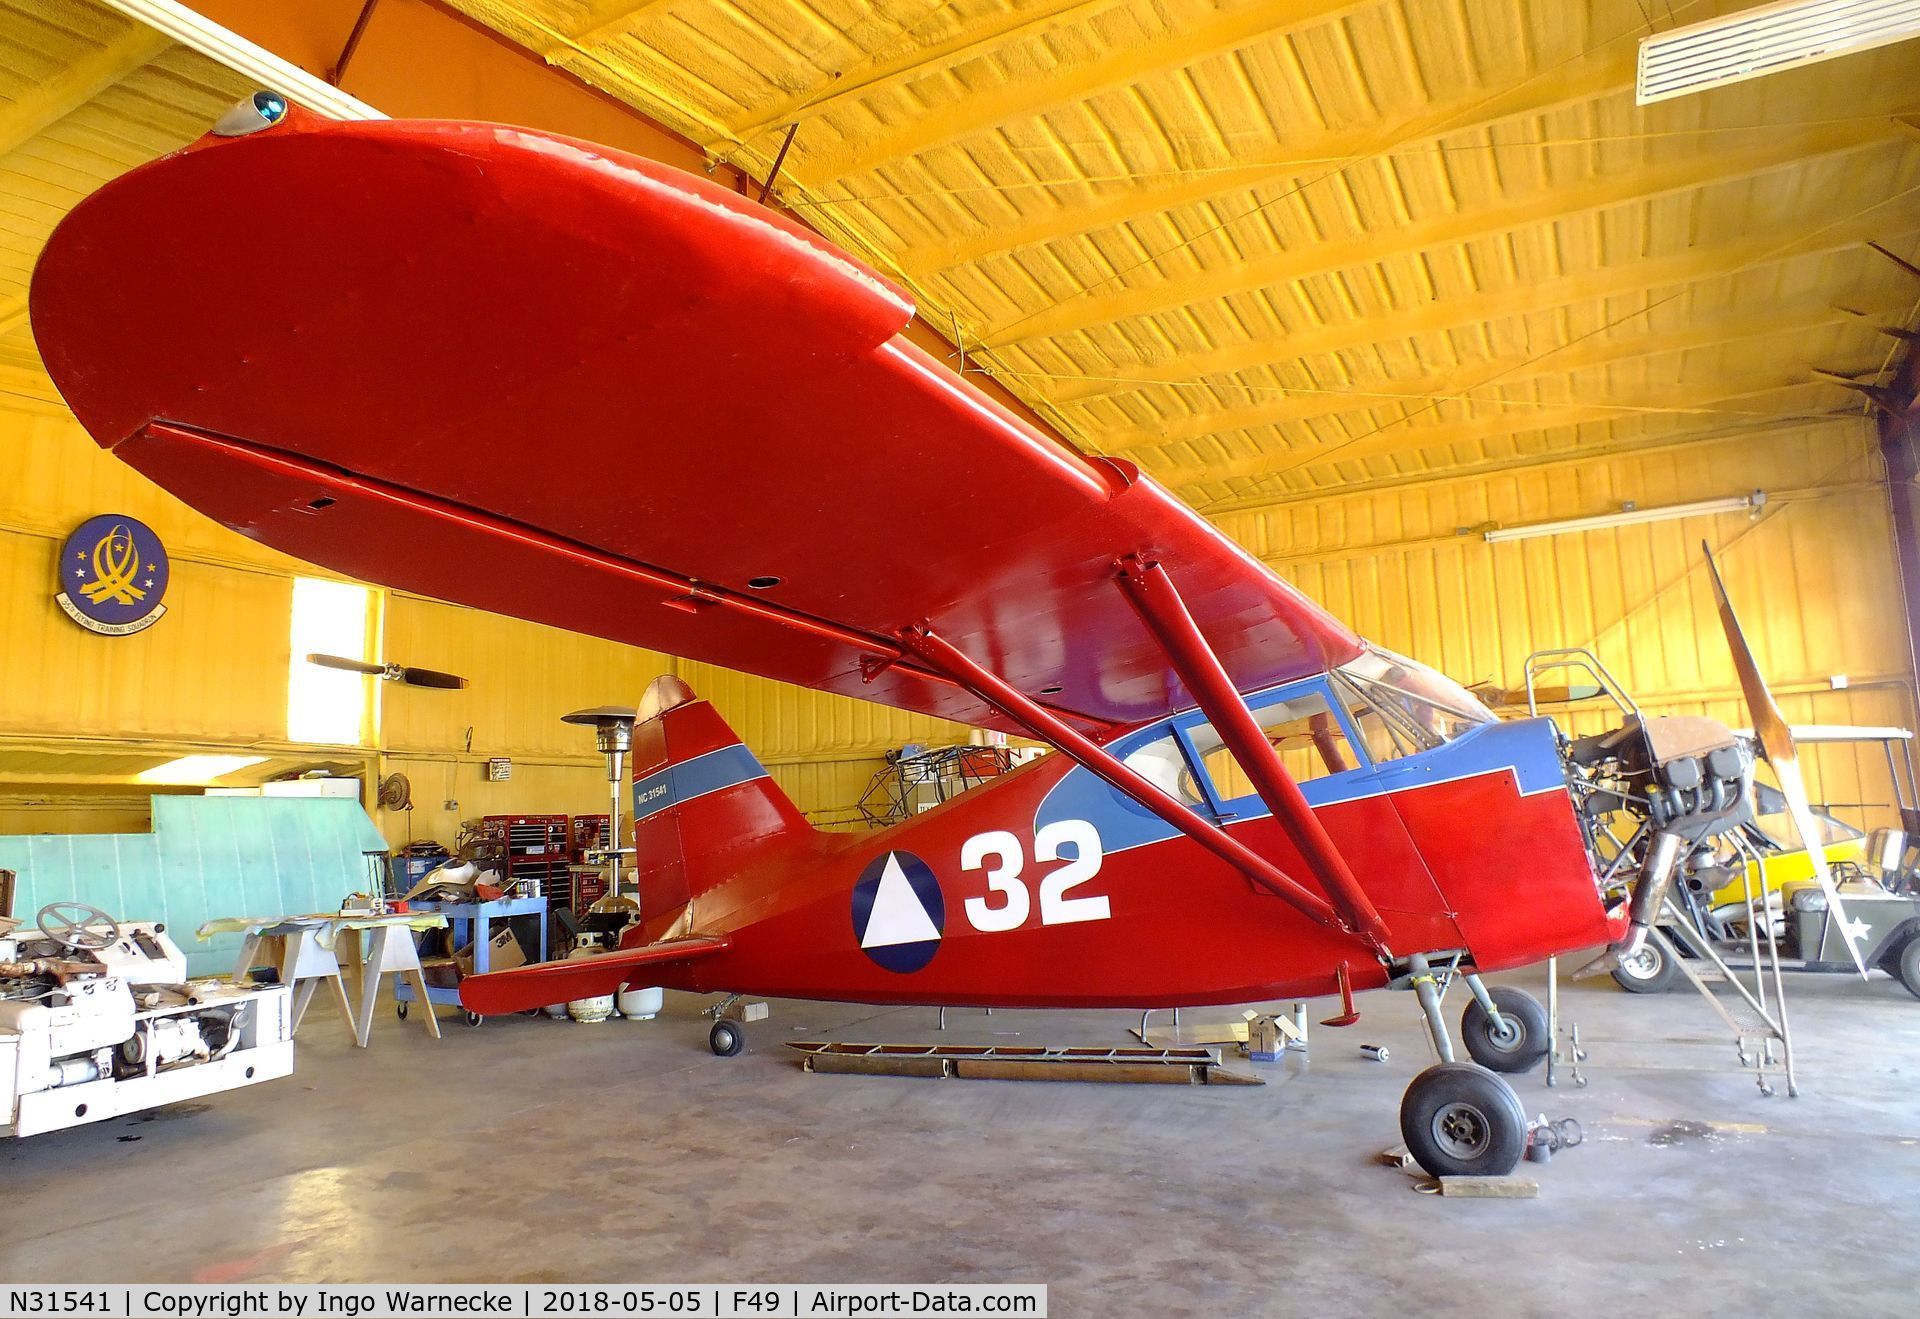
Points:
(1265, 248)
(85, 94)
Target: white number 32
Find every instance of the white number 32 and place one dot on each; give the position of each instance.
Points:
(999, 853)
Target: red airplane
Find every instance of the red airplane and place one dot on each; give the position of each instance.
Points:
(547, 379)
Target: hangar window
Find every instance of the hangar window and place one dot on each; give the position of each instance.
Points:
(328, 705)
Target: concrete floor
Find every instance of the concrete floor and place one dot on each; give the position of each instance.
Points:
(531, 1150)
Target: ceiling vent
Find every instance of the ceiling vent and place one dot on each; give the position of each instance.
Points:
(1769, 39)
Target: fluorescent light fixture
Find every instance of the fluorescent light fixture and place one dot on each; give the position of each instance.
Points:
(258, 64)
(1632, 517)
(196, 769)
(1769, 39)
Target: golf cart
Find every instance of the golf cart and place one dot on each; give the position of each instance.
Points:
(1761, 869)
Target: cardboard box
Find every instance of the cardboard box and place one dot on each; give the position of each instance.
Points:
(503, 951)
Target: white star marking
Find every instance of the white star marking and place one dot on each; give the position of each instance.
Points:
(1853, 931)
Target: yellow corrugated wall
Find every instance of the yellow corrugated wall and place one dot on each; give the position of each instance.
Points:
(214, 673)
(215, 670)
(1813, 576)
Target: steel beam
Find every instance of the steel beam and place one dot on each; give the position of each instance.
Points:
(1157, 600)
(1047, 726)
(1900, 449)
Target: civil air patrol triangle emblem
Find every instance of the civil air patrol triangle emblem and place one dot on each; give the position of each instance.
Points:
(898, 912)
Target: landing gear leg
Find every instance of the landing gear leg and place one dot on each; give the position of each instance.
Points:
(1427, 989)
(1457, 1118)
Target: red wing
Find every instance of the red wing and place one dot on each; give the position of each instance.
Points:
(499, 993)
(554, 381)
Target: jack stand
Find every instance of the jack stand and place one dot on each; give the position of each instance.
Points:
(943, 1018)
(1299, 1041)
(1573, 1052)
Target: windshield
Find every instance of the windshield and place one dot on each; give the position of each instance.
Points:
(1775, 824)
(1424, 708)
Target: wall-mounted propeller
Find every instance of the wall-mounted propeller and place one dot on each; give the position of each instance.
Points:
(1776, 744)
(403, 674)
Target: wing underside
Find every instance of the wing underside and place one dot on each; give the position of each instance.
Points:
(536, 377)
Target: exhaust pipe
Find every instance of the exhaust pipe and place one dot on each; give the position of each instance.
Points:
(1643, 908)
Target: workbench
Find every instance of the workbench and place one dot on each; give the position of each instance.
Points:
(472, 924)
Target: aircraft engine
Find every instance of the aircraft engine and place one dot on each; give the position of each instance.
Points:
(1686, 779)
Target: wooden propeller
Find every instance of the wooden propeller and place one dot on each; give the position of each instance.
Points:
(1776, 744)
(403, 674)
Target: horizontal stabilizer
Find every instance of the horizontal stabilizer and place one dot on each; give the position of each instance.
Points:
(498, 993)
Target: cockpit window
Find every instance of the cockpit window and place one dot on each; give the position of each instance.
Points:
(1305, 729)
(1163, 763)
(1417, 708)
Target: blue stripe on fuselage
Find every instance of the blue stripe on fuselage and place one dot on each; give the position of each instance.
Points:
(676, 784)
(1526, 747)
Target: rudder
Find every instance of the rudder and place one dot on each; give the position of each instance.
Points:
(703, 804)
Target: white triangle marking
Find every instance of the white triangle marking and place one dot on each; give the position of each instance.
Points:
(897, 916)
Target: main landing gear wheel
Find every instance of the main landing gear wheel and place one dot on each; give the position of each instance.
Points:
(1518, 1043)
(474, 1019)
(1649, 971)
(1461, 1120)
(726, 1038)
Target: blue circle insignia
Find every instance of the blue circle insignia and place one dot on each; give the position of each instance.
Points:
(113, 575)
(898, 912)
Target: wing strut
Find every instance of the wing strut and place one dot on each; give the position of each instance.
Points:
(1048, 726)
(1161, 608)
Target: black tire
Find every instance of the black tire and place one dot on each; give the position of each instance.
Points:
(1521, 1043)
(726, 1038)
(1907, 970)
(474, 1019)
(1649, 971)
(1461, 1120)
(400, 1010)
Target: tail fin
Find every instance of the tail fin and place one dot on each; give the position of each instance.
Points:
(703, 806)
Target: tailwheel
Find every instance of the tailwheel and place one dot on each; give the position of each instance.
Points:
(726, 1038)
(1461, 1120)
(1518, 1043)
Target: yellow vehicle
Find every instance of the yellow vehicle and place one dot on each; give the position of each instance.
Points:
(1879, 876)
(1786, 861)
